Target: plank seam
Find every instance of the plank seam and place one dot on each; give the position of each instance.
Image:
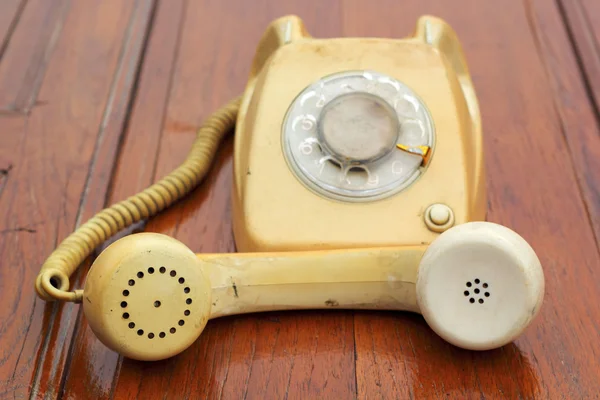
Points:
(121, 143)
(12, 27)
(107, 112)
(28, 104)
(577, 50)
(112, 98)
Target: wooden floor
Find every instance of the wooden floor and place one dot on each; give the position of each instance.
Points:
(99, 98)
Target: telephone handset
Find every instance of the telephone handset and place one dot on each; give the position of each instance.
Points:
(358, 183)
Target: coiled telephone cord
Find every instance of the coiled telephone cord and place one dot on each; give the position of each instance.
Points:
(52, 282)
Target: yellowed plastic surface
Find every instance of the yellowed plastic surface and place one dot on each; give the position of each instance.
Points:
(128, 277)
(370, 278)
(274, 211)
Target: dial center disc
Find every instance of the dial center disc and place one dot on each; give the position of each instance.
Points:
(358, 127)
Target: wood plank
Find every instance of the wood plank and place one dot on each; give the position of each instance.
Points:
(532, 189)
(583, 18)
(581, 122)
(27, 54)
(10, 12)
(115, 116)
(11, 140)
(50, 156)
(134, 171)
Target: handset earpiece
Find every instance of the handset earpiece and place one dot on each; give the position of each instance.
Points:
(147, 297)
(478, 286)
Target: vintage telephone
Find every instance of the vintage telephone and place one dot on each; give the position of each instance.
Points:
(358, 183)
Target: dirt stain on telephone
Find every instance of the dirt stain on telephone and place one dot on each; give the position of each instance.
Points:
(332, 303)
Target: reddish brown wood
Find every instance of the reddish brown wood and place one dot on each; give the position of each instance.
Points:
(131, 174)
(580, 120)
(44, 194)
(85, 147)
(583, 17)
(28, 52)
(102, 164)
(10, 12)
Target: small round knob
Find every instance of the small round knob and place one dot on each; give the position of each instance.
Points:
(439, 217)
(439, 214)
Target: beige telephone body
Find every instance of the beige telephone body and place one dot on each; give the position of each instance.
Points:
(358, 183)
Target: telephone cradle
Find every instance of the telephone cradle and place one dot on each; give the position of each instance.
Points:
(359, 183)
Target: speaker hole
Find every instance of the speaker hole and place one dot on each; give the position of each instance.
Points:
(186, 312)
(151, 335)
(140, 274)
(480, 301)
(157, 304)
(131, 282)
(162, 335)
(181, 280)
(188, 301)
(125, 292)
(131, 325)
(468, 284)
(55, 282)
(150, 270)
(162, 270)
(173, 273)
(126, 315)
(476, 291)
(186, 290)
(485, 285)
(471, 300)
(477, 281)
(123, 304)
(140, 332)
(487, 294)
(466, 292)
(172, 330)
(181, 322)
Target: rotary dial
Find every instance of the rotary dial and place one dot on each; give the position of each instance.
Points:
(357, 136)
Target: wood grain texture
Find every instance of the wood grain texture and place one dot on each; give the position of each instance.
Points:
(51, 153)
(28, 52)
(583, 17)
(10, 12)
(581, 120)
(123, 90)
